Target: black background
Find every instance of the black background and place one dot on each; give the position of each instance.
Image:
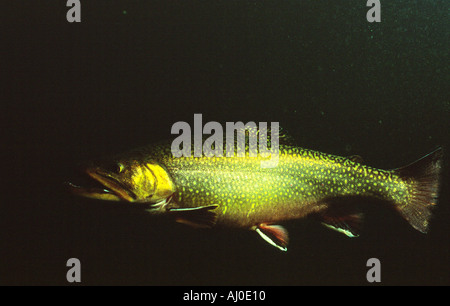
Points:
(131, 69)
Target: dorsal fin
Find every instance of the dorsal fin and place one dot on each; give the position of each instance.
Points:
(284, 138)
(252, 133)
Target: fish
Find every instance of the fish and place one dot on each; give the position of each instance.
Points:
(235, 191)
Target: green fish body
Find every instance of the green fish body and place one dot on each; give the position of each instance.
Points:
(238, 192)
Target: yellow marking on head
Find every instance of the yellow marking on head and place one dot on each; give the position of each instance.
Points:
(164, 186)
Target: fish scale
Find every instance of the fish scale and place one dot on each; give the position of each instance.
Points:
(247, 193)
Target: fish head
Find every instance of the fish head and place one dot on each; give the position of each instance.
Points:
(125, 180)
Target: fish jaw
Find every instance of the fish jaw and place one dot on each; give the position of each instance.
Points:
(93, 193)
(111, 184)
(107, 188)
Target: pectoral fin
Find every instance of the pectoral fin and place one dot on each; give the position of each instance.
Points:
(200, 217)
(275, 235)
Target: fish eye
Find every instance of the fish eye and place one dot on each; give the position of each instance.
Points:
(120, 168)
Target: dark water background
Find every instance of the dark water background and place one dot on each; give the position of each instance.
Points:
(131, 69)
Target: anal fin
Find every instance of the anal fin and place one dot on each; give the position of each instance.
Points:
(349, 224)
(199, 217)
(275, 235)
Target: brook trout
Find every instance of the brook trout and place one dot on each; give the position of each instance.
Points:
(238, 192)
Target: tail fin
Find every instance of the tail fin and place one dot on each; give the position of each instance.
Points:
(424, 175)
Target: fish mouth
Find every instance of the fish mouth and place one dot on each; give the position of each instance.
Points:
(98, 185)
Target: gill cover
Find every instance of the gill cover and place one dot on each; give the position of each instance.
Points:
(162, 184)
